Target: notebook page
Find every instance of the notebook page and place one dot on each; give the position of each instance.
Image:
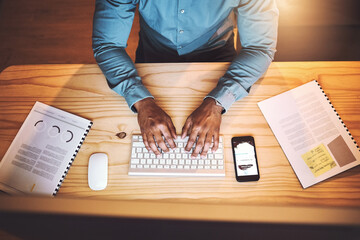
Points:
(42, 150)
(312, 136)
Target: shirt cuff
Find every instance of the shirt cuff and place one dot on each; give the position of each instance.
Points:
(227, 92)
(134, 93)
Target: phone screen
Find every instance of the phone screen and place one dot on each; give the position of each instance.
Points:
(246, 168)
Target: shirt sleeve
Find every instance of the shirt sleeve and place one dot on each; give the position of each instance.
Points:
(257, 22)
(111, 28)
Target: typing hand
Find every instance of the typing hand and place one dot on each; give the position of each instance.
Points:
(203, 123)
(154, 124)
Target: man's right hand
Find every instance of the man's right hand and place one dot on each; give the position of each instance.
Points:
(154, 124)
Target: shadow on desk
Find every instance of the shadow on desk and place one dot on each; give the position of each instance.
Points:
(36, 226)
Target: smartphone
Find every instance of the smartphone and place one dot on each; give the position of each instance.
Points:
(245, 160)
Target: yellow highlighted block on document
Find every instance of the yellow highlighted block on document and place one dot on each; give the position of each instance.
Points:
(319, 160)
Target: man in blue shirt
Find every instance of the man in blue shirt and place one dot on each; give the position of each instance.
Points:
(180, 31)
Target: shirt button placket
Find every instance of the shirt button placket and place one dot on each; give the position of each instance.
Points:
(181, 31)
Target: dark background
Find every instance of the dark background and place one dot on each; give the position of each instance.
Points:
(59, 31)
(37, 227)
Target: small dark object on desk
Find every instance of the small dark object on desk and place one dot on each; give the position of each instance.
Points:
(121, 135)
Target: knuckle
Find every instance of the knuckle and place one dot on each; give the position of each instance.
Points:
(197, 128)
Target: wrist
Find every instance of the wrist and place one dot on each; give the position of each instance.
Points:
(143, 103)
(214, 104)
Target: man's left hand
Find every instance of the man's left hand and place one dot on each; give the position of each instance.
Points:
(203, 123)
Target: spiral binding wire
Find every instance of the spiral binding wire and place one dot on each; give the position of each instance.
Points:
(72, 159)
(347, 130)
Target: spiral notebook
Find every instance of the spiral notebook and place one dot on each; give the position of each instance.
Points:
(42, 152)
(311, 133)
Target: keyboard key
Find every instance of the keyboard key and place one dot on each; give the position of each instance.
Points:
(135, 161)
(138, 144)
(219, 150)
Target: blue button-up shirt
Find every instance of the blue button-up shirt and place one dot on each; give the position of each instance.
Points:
(186, 26)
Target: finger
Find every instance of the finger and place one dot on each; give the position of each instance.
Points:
(216, 142)
(172, 129)
(191, 141)
(207, 144)
(186, 128)
(199, 145)
(152, 144)
(168, 138)
(146, 142)
(160, 142)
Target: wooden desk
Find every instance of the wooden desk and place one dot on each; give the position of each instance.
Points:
(179, 89)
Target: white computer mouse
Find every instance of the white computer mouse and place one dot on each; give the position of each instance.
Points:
(98, 171)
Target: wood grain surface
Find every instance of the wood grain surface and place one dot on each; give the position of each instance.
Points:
(179, 88)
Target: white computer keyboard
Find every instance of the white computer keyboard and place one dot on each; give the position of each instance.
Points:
(176, 162)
